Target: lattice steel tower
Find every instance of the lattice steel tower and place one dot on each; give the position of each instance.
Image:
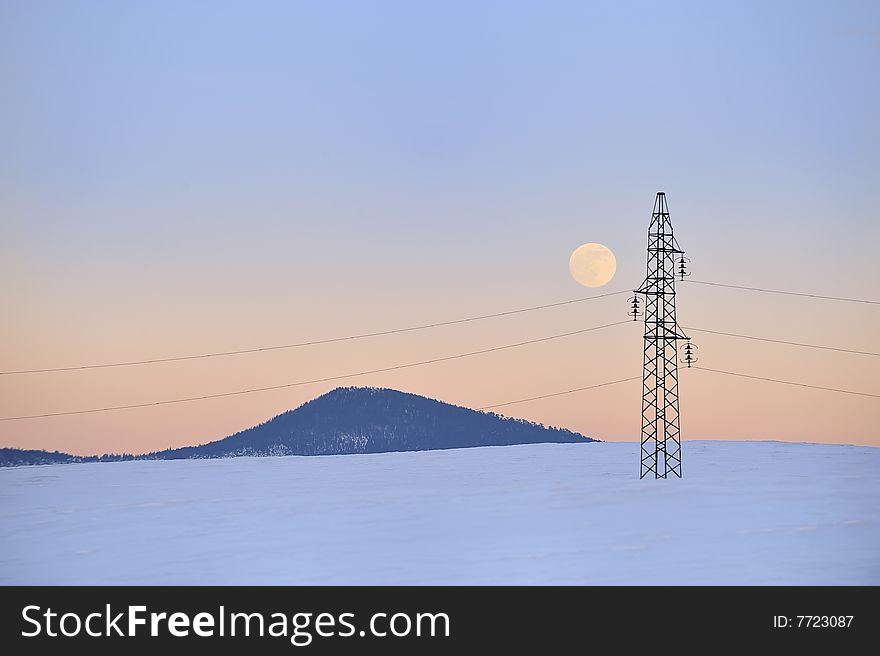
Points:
(661, 432)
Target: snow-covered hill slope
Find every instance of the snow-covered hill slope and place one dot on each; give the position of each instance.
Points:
(756, 513)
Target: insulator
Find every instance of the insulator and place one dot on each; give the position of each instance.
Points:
(634, 311)
(682, 267)
(689, 357)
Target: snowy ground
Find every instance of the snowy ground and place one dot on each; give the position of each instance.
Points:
(758, 513)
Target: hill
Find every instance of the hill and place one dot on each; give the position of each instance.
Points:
(373, 420)
(347, 420)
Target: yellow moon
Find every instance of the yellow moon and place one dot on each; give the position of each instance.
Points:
(592, 265)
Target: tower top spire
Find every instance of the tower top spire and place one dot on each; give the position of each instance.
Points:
(660, 206)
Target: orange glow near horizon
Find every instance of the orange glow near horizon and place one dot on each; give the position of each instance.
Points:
(713, 406)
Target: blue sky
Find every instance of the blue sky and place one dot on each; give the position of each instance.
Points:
(184, 174)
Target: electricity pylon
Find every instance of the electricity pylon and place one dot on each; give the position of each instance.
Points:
(661, 431)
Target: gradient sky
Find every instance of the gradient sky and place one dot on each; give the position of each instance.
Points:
(183, 177)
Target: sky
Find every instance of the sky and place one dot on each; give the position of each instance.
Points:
(186, 177)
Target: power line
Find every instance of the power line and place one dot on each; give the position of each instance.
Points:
(571, 391)
(278, 347)
(789, 382)
(781, 341)
(777, 291)
(218, 354)
(315, 380)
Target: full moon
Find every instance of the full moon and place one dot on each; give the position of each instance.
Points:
(592, 265)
